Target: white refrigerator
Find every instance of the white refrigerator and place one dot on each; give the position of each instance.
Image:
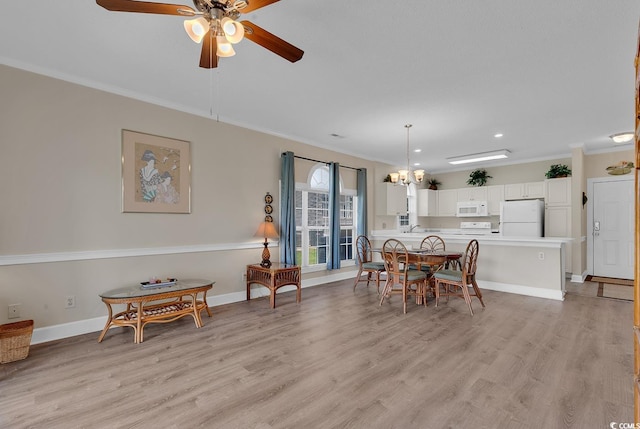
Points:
(522, 218)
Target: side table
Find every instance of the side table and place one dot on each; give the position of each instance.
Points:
(274, 277)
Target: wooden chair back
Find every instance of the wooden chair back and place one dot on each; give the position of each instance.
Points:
(363, 249)
(432, 242)
(395, 256)
(470, 261)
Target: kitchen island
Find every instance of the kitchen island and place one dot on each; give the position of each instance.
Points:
(533, 266)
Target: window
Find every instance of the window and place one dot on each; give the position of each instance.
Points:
(312, 220)
(411, 218)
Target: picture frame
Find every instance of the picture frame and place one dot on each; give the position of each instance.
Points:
(156, 174)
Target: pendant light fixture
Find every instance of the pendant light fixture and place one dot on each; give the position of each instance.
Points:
(404, 176)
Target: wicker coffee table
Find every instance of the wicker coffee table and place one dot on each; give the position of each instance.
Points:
(178, 300)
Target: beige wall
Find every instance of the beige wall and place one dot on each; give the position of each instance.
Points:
(61, 187)
(516, 173)
(596, 164)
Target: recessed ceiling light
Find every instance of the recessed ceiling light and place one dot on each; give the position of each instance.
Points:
(498, 135)
(417, 150)
(621, 138)
(415, 164)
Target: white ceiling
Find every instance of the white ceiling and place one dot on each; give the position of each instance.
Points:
(549, 74)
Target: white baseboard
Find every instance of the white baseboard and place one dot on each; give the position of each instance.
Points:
(80, 327)
(557, 295)
(577, 278)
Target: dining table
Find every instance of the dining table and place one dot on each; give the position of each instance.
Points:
(435, 259)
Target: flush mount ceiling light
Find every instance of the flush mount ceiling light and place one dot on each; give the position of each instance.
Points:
(622, 138)
(477, 157)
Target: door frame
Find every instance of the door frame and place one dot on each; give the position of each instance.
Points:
(590, 183)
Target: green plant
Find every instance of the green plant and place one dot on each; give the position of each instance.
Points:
(433, 183)
(558, 170)
(387, 179)
(478, 177)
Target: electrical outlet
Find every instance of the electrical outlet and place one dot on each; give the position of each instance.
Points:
(70, 301)
(541, 256)
(14, 311)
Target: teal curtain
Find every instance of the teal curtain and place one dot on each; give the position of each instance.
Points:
(334, 216)
(287, 210)
(361, 185)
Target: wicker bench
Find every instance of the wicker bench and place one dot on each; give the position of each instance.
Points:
(161, 305)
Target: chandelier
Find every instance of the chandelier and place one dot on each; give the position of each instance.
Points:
(404, 176)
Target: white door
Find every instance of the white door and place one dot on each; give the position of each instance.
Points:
(613, 220)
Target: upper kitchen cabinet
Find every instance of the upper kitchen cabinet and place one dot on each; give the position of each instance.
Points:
(427, 202)
(472, 194)
(447, 202)
(558, 192)
(391, 200)
(495, 195)
(522, 191)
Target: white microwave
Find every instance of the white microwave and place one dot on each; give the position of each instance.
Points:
(472, 209)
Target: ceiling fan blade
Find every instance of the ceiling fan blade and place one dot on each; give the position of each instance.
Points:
(146, 7)
(271, 42)
(208, 57)
(256, 4)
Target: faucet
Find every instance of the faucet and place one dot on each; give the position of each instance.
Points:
(412, 227)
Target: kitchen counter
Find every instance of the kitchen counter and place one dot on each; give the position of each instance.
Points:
(533, 266)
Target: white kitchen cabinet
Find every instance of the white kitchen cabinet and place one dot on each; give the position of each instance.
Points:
(558, 192)
(521, 191)
(447, 202)
(495, 195)
(391, 200)
(427, 202)
(472, 194)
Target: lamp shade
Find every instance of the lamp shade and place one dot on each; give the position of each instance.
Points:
(224, 47)
(196, 28)
(233, 31)
(266, 230)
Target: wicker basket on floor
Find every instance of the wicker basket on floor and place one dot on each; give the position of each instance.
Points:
(15, 339)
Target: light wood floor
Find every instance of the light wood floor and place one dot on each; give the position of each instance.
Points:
(338, 360)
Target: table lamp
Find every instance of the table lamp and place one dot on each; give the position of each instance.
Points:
(266, 230)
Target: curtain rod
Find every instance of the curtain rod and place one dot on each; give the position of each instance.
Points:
(324, 162)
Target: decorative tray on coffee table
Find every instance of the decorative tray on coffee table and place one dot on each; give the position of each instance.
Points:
(169, 282)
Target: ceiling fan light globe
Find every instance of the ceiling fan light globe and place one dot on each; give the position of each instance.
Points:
(224, 48)
(233, 30)
(196, 28)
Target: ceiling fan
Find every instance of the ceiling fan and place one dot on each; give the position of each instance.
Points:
(216, 26)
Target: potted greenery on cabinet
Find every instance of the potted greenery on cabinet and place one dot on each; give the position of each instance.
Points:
(558, 170)
(433, 184)
(478, 177)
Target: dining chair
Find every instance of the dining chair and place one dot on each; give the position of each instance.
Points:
(401, 279)
(457, 283)
(432, 242)
(366, 264)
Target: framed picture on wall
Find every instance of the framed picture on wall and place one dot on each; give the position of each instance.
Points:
(156, 174)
